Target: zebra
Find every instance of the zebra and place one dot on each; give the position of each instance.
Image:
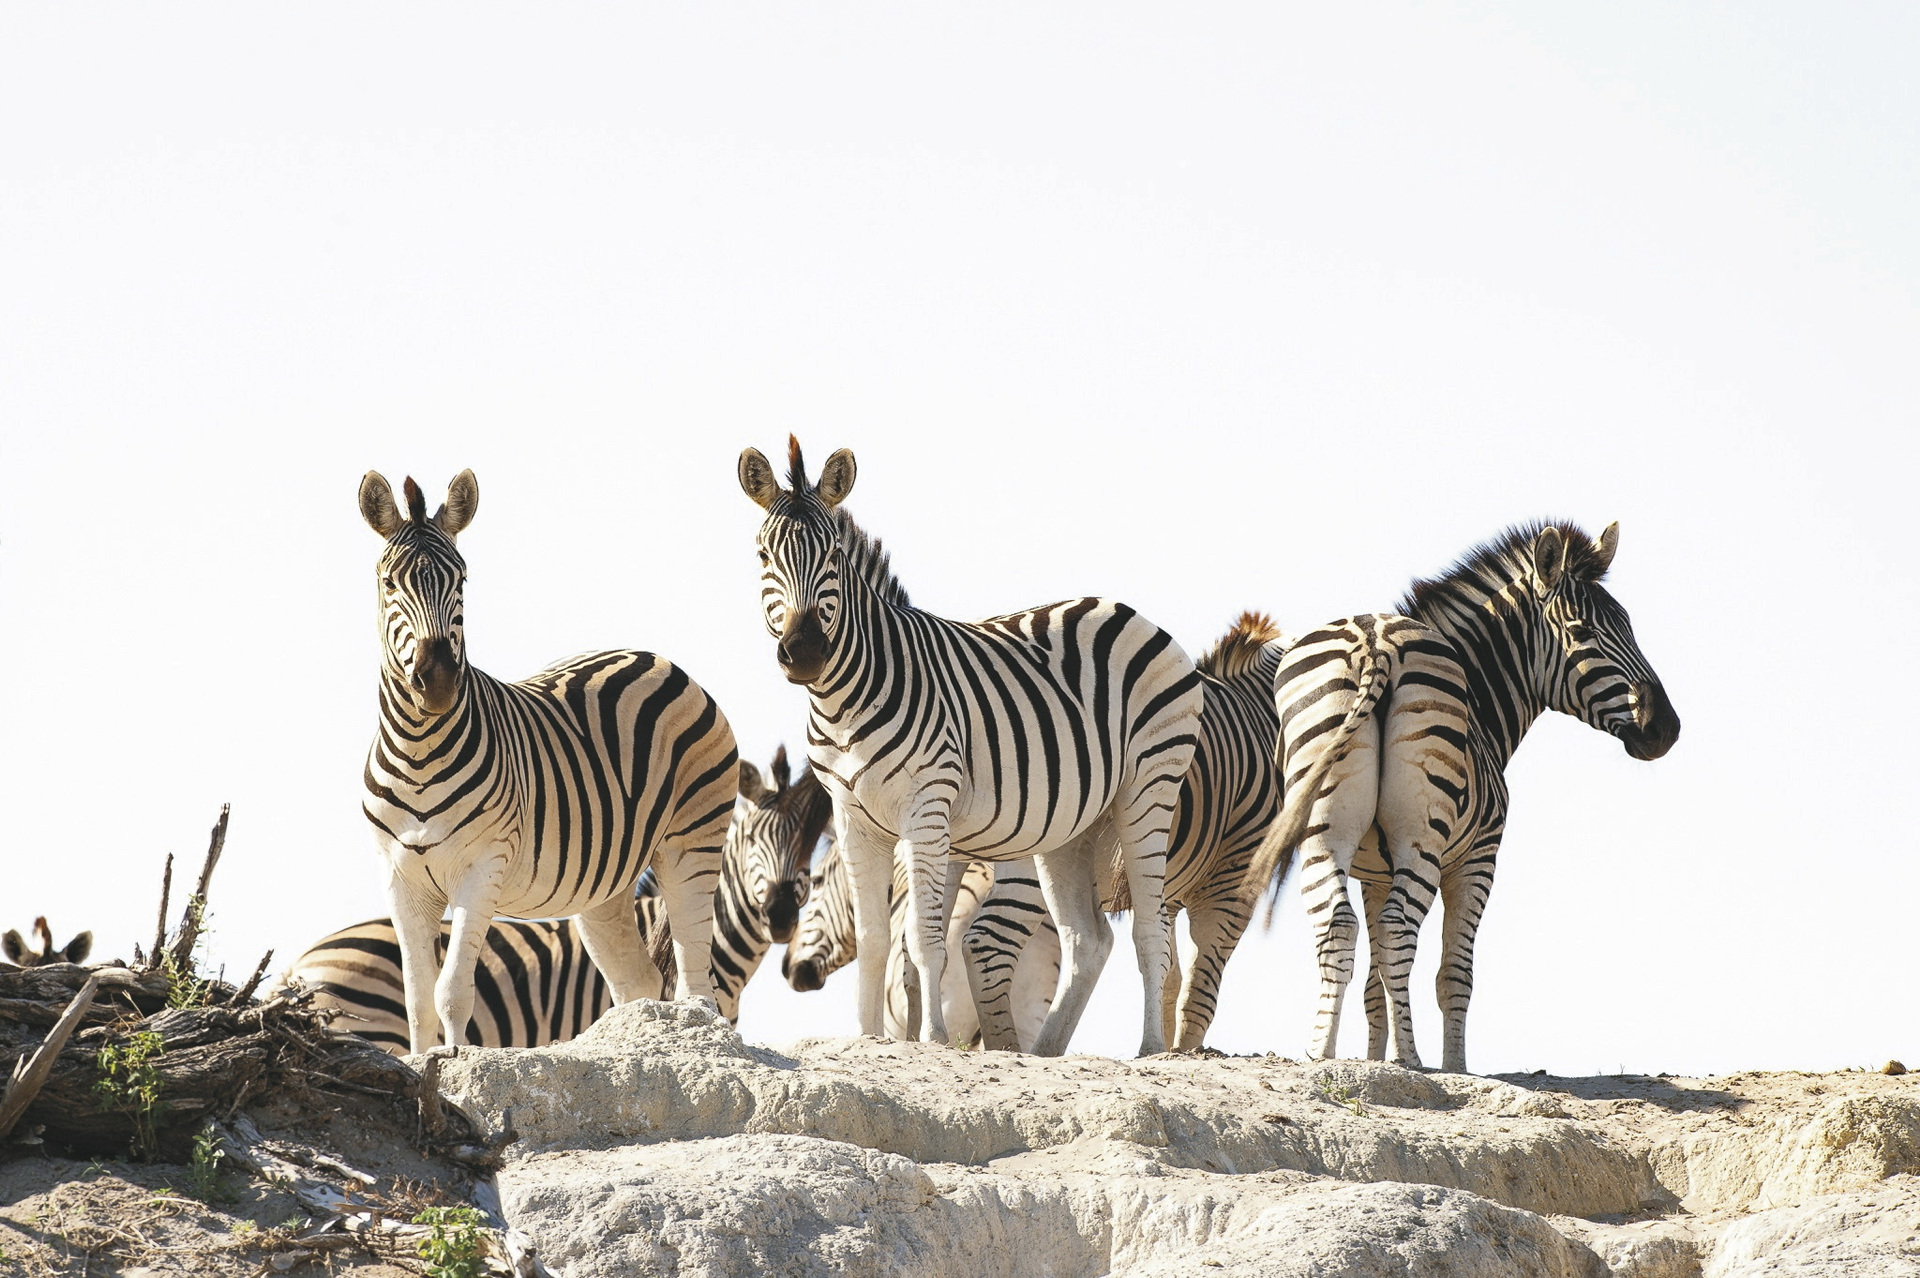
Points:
(17, 952)
(546, 797)
(825, 942)
(534, 984)
(1396, 729)
(1227, 799)
(1046, 733)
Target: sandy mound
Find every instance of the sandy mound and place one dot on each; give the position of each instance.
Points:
(660, 1142)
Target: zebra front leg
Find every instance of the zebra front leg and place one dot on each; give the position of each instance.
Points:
(869, 862)
(416, 923)
(1373, 987)
(610, 932)
(925, 855)
(474, 899)
(1463, 894)
(1067, 883)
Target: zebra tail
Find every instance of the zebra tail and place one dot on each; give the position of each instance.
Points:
(1274, 858)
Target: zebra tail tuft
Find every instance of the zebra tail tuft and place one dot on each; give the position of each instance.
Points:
(1274, 858)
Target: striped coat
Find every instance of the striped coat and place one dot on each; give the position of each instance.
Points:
(1037, 733)
(542, 798)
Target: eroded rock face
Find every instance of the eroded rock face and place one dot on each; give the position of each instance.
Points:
(659, 1142)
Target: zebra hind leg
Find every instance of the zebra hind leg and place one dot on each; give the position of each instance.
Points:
(1373, 988)
(610, 933)
(1067, 882)
(1463, 895)
(1216, 930)
(687, 869)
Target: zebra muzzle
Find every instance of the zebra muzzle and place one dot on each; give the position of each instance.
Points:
(803, 647)
(804, 976)
(436, 675)
(783, 911)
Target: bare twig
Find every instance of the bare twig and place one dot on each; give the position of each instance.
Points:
(160, 924)
(28, 1077)
(253, 982)
(195, 913)
(433, 1123)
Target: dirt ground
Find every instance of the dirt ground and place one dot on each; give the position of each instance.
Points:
(67, 1216)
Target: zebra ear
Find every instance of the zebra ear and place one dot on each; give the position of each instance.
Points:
(79, 947)
(463, 499)
(1605, 545)
(836, 478)
(14, 946)
(756, 478)
(1549, 559)
(376, 504)
(752, 787)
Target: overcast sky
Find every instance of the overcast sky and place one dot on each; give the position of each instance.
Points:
(1224, 308)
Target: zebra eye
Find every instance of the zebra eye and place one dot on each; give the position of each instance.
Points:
(765, 558)
(387, 581)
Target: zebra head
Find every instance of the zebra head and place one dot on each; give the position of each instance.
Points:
(422, 577)
(1594, 668)
(770, 843)
(17, 952)
(824, 942)
(800, 555)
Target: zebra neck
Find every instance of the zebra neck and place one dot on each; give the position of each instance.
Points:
(867, 663)
(418, 738)
(1498, 628)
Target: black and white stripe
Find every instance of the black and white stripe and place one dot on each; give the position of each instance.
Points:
(543, 798)
(825, 942)
(534, 983)
(1040, 733)
(1396, 730)
(1227, 800)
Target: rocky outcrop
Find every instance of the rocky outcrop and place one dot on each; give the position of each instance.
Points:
(660, 1142)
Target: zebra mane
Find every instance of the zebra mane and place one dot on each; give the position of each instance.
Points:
(867, 558)
(1240, 647)
(1493, 565)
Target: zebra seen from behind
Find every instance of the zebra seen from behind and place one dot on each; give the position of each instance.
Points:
(20, 954)
(1396, 729)
(534, 983)
(1051, 733)
(542, 798)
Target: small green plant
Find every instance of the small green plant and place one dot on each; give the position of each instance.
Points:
(184, 986)
(130, 1083)
(205, 1178)
(453, 1248)
(243, 1229)
(1339, 1096)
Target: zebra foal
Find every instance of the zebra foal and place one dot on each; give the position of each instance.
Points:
(1396, 729)
(1045, 733)
(541, 798)
(534, 983)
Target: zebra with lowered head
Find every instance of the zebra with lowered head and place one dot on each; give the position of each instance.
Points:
(535, 985)
(542, 798)
(825, 942)
(1054, 733)
(1396, 729)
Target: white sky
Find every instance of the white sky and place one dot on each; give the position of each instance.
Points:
(1222, 309)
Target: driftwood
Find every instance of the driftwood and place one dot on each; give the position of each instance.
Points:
(30, 1072)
